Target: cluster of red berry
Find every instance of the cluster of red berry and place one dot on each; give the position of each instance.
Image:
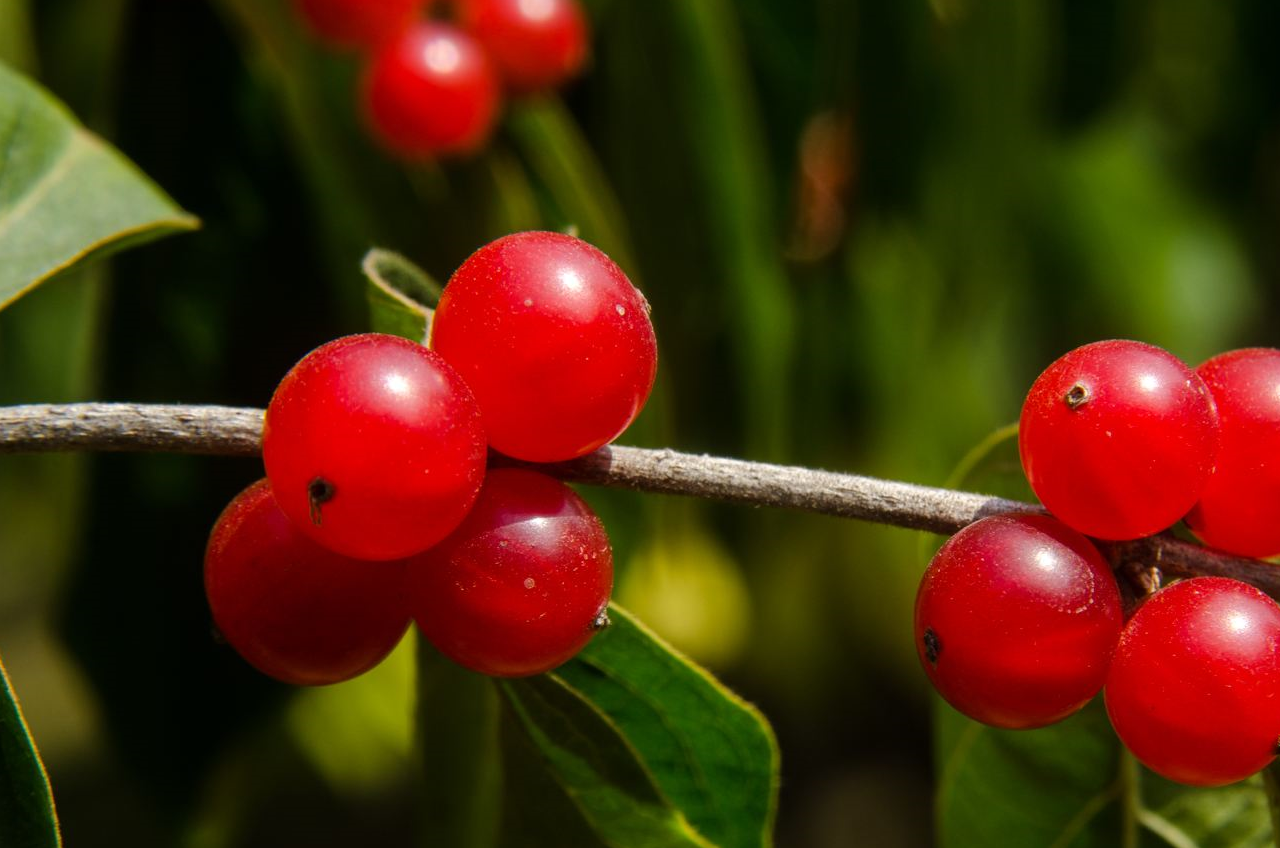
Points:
(1019, 620)
(377, 508)
(433, 87)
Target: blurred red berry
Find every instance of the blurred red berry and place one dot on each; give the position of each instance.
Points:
(536, 44)
(358, 23)
(432, 91)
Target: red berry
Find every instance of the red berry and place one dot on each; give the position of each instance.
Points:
(1118, 438)
(374, 446)
(522, 585)
(1195, 684)
(536, 44)
(1239, 509)
(432, 91)
(553, 339)
(358, 23)
(294, 610)
(1016, 619)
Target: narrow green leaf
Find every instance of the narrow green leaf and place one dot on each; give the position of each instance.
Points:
(710, 752)
(27, 816)
(458, 734)
(401, 295)
(572, 779)
(564, 164)
(64, 193)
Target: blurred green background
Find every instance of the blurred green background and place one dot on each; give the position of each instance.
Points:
(864, 227)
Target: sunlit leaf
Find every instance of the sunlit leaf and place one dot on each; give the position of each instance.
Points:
(573, 779)
(64, 193)
(401, 295)
(710, 752)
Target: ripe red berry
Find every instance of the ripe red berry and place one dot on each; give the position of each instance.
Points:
(536, 44)
(294, 610)
(522, 585)
(1118, 438)
(358, 23)
(374, 446)
(1239, 509)
(1195, 683)
(1016, 619)
(432, 91)
(553, 339)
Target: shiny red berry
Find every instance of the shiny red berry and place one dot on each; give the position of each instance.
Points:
(294, 610)
(432, 91)
(1239, 509)
(1016, 619)
(522, 585)
(536, 44)
(1194, 689)
(1117, 439)
(358, 23)
(374, 446)
(553, 339)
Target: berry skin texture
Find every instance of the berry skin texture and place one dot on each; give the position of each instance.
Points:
(1239, 510)
(536, 44)
(1016, 619)
(432, 91)
(522, 585)
(1117, 439)
(374, 446)
(1194, 689)
(358, 23)
(292, 609)
(553, 339)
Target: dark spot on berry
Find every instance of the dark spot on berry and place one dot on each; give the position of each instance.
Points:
(1076, 397)
(320, 491)
(932, 646)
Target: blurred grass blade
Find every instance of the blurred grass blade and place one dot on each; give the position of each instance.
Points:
(716, 103)
(458, 736)
(401, 295)
(562, 161)
(27, 816)
(572, 779)
(710, 752)
(64, 193)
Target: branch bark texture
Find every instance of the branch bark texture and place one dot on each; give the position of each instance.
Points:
(232, 431)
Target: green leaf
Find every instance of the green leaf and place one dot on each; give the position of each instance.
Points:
(708, 751)
(572, 779)
(1060, 786)
(64, 193)
(401, 295)
(27, 816)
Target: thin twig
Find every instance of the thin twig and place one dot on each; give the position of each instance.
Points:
(230, 431)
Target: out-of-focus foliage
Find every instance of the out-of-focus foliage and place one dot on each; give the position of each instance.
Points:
(864, 227)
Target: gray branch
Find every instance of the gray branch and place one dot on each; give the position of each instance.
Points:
(230, 431)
